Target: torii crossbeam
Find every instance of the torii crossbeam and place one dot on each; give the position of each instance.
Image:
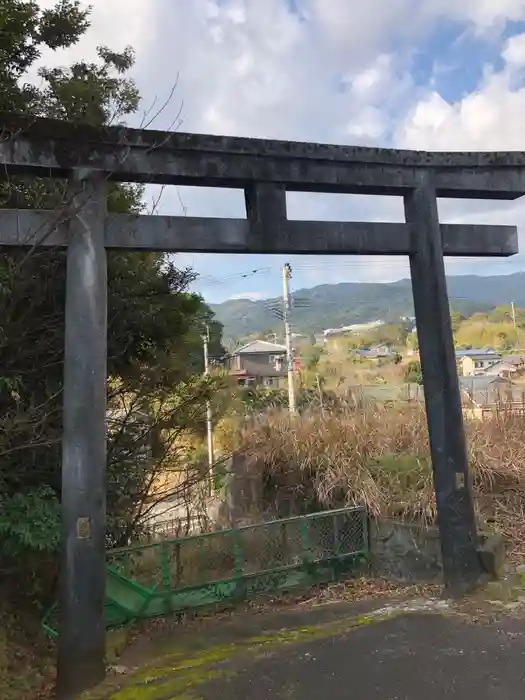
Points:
(265, 170)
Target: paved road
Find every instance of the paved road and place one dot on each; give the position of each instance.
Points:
(415, 656)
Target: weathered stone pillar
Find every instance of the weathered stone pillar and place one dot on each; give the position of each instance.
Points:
(82, 626)
(461, 563)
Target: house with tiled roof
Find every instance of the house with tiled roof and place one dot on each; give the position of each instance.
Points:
(259, 363)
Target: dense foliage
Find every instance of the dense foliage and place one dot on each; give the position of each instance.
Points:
(154, 323)
(414, 373)
(496, 330)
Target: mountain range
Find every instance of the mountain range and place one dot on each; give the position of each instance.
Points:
(336, 305)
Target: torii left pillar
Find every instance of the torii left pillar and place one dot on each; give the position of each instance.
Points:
(81, 644)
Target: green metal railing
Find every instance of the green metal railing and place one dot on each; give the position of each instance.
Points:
(230, 565)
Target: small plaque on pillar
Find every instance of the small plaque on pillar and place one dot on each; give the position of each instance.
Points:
(460, 481)
(83, 529)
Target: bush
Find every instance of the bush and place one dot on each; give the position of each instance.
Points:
(413, 373)
(380, 459)
(30, 522)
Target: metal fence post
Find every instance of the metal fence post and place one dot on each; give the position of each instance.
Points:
(166, 574)
(304, 531)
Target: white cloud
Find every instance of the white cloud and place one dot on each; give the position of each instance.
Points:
(429, 114)
(484, 13)
(257, 68)
(365, 26)
(369, 82)
(514, 51)
(489, 118)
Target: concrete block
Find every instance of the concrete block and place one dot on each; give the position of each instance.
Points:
(401, 551)
(492, 555)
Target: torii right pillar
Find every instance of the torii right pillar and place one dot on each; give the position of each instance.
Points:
(462, 566)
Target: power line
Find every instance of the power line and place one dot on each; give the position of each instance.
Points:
(516, 263)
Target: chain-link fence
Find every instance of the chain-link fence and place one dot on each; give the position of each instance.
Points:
(229, 565)
(246, 551)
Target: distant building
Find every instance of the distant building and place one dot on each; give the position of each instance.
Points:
(354, 328)
(259, 363)
(517, 361)
(476, 361)
(507, 367)
(482, 396)
(375, 352)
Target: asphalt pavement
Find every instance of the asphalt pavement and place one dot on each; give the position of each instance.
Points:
(412, 656)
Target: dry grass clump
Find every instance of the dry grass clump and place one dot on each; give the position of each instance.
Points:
(380, 458)
(497, 459)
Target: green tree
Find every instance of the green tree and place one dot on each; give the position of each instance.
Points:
(154, 323)
(311, 356)
(413, 373)
(25, 31)
(393, 334)
(501, 314)
(412, 341)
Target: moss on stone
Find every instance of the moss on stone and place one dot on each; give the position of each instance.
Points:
(116, 641)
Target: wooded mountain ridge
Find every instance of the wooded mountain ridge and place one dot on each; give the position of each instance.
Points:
(336, 305)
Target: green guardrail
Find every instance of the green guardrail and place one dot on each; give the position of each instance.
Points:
(227, 566)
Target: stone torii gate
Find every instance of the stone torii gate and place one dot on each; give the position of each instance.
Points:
(265, 170)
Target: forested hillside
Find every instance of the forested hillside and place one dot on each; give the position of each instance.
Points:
(335, 305)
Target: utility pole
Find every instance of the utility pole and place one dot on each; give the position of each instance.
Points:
(209, 424)
(287, 274)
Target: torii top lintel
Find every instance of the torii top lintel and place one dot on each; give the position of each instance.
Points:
(49, 147)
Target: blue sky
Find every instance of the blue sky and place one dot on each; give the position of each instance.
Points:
(424, 74)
